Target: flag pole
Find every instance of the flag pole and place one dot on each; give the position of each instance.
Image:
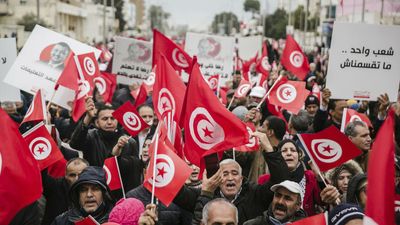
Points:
(267, 94)
(234, 154)
(230, 103)
(120, 178)
(154, 168)
(218, 86)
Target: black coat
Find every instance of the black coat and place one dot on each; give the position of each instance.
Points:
(253, 199)
(265, 219)
(73, 215)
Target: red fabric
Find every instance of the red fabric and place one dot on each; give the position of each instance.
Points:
(57, 169)
(209, 127)
(87, 221)
(42, 146)
(171, 173)
(176, 56)
(262, 65)
(106, 84)
(289, 95)
(263, 81)
(20, 179)
(130, 119)
(69, 76)
(294, 60)
(320, 219)
(112, 173)
(213, 82)
(253, 143)
(149, 82)
(349, 115)
(381, 185)
(246, 67)
(243, 88)
(37, 109)
(141, 96)
(329, 148)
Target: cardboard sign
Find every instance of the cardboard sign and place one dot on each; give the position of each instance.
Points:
(132, 60)
(363, 61)
(214, 53)
(41, 62)
(8, 54)
(249, 46)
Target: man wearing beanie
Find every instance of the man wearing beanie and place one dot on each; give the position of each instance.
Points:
(89, 195)
(346, 214)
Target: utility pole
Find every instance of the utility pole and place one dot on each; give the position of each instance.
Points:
(381, 16)
(362, 12)
(104, 21)
(37, 11)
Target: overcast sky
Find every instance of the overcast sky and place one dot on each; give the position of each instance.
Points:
(198, 14)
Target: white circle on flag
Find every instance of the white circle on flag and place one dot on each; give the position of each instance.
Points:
(286, 93)
(40, 148)
(100, 84)
(243, 89)
(205, 131)
(165, 171)
(327, 151)
(213, 82)
(132, 121)
(166, 101)
(89, 66)
(30, 110)
(355, 118)
(296, 58)
(179, 59)
(150, 79)
(265, 64)
(252, 140)
(84, 88)
(108, 174)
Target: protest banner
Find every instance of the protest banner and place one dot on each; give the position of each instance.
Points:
(41, 62)
(132, 60)
(364, 65)
(214, 54)
(7, 57)
(248, 47)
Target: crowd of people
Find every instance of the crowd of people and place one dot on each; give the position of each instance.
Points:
(277, 184)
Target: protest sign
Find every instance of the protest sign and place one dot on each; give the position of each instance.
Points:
(248, 47)
(363, 61)
(132, 60)
(7, 57)
(214, 54)
(41, 62)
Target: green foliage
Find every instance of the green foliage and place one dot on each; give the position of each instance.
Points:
(252, 6)
(229, 21)
(275, 24)
(157, 17)
(29, 21)
(299, 15)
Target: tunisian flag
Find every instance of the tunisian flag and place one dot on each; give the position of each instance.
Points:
(113, 175)
(253, 144)
(178, 58)
(294, 60)
(263, 65)
(42, 146)
(247, 66)
(209, 126)
(37, 109)
(141, 95)
(213, 82)
(289, 95)
(69, 76)
(381, 173)
(20, 179)
(106, 84)
(130, 119)
(243, 88)
(171, 172)
(329, 148)
(350, 115)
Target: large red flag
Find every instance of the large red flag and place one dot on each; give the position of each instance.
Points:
(289, 95)
(20, 179)
(329, 148)
(106, 84)
(319, 219)
(178, 58)
(253, 144)
(350, 115)
(263, 65)
(243, 88)
(209, 126)
(213, 82)
(42, 146)
(141, 96)
(171, 173)
(381, 175)
(37, 109)
(130, 119)
(69, 76)
(113, 175)
(294, 60)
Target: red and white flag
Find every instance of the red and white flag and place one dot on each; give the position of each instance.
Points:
(113, 176)
(319, 219)
(294, 60)
(209, 126)
(149, 82)
(176, 56)
(141, 95)
(243, 88)
(329, 148)
(69, 76)
(213, 82)
(350, 115)
(247, 66)
(18, 171)
(253, 144)
(381, 186)
(37, 109)
(105, 55)
(42, 146)
(263, 65)
(171, 172)
(106, 84)
(87, 221)
(289, 95)
(130, 119)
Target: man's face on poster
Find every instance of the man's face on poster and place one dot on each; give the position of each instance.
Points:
(58, 54)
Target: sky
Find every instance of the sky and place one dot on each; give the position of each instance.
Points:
(199, 14)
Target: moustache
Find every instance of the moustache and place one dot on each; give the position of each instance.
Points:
(280, 207)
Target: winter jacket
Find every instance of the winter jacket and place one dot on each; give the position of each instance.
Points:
(267, 219)
(353, 186)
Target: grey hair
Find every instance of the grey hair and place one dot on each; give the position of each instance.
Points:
(300, 121)
(230, 161)
(206, 208)
(350, 129)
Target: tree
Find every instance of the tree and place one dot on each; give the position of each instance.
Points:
(252, 6)
(29, 21)
(299, 15)
(225, 21)
(118, 4)
(275, 24)
(158, 18)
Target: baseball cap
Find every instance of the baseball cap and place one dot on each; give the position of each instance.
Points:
(311, 99)
(258, 92)
(290, 185)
